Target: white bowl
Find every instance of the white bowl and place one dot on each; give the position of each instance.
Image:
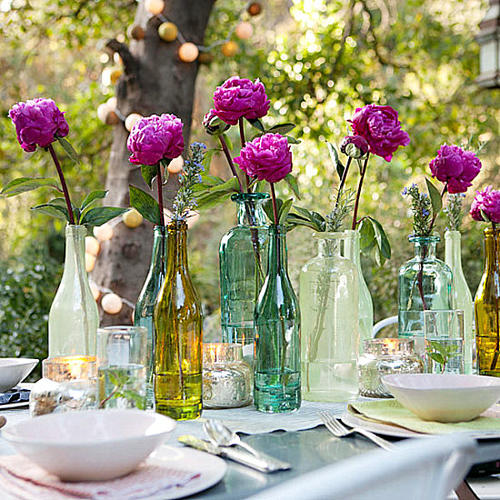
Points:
(93, 445)
(444, 397)
(14, 370)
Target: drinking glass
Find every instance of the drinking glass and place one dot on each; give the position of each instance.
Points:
(444, 341)
(122, 359)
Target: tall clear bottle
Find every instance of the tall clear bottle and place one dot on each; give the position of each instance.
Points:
(145, 306)
(330, 322)
(178, 335)
(462, 298)
(73, 316)
(242, 265)
(277, 334)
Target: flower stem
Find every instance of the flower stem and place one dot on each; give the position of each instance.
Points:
(230, 161)
(497, 346)
(63, 184)
(358, 194)
(275, 208)
(159, 183)
(243, 142)
(342, 181)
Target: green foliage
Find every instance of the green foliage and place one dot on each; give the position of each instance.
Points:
(145, 204)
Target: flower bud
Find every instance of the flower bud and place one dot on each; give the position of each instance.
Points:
(354, 146)
(213, 124)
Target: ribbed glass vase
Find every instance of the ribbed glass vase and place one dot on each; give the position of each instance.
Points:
(330, 336)
(487, 308)
(145, 306)
(73, 316)
(243, 265)
(462, 298)
(277, 334)
(178, 335)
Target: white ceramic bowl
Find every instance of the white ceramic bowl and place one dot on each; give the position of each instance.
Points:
(93, 445)
(444, 397)
(14, 370)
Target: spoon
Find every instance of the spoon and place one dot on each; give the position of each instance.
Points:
(220, 435)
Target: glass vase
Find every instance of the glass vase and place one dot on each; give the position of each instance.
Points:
(330, 322)
(277, 334)
(353, 252)
(144, 308)
(425, 283)
(462, 298)
(487, 308)
(73, 316)
(178, 335)
(242, 264)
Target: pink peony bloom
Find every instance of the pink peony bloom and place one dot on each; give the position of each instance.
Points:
(38, 122)
(456, 167)
(360, 144)
(154, 138)
(267, 157)
(380, 126)
(240, 97)
(487, 202)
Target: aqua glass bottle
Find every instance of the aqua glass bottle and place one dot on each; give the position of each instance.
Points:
(353, 252)
(277, 334)
(145, 306)
(425, 283)
(462, 298)
(328, 295)
(178, 335)
(73, 316)
(242, 265)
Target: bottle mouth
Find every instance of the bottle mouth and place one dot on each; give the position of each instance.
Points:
(242, 197)
(433, 238)
(331, 236)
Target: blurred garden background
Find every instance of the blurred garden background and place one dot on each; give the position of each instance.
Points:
(319, 61)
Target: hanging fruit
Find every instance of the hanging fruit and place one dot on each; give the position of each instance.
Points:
(168, 31)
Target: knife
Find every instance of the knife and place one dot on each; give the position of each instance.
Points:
(263, 462)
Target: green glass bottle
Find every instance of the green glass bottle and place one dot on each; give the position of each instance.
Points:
(487, 308)
(178, 335)
(145, 306)
(277, 334)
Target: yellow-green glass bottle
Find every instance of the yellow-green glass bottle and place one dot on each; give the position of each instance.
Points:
(178, 335)
(487, 308)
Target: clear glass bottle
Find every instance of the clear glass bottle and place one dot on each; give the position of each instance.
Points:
(242, 265)
(462, 298)
(277, 334)
(145, 306)
(353, 252)
(330, 322)
(73, 316)
(487, 308)
(178, 335)
(425, 283)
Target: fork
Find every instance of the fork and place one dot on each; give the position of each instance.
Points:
(340, 430)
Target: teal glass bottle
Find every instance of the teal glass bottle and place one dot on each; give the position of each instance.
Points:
(277, 334)
(242, 265)
(145, 306)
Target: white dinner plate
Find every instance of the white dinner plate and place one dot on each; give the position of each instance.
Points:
(210, 467)
(392, 431)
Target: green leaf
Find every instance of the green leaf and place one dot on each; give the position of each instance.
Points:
(93, 197)
(68, 148)
(149, 172)
(268, 208)
(98, 216)
(334, 155)
(208, 182)
(284, 209)
(256, 123)
(281, 128)
(292, 140)
(25, 184)
(53, 210)
(435, 196)
(367, 236)
(145, 204)
(215, 195)
(229, 142)
(207, 158)
(438, 358)
(304, 217)
(382, 240)
(293, 185)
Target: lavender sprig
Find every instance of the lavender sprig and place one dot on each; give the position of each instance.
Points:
(184, 200)
(335, 219)
(421, 208)
(454, 212)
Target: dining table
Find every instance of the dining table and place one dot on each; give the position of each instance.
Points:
(306, 450)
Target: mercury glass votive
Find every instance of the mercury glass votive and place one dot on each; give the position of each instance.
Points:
(227, 378)
(385, 357)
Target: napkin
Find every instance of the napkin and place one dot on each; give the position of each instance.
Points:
(390, 412)
(24, 479)
(15, 395)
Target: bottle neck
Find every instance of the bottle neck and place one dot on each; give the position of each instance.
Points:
(425, 247)
(277, 256)
(452, 250)
(352, 248)
(74, 248)
(177, 247)
(492, 250)
(328, 246)
(251, 209)
(159, 248)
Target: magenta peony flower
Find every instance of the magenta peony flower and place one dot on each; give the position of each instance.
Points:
(360, 146)
(267, 157)
(38, 122)
(240, 97)
(456, 167)
(154, 138)
(488, 202)
(380, 126)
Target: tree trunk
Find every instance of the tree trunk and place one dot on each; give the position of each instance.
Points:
(154, 82)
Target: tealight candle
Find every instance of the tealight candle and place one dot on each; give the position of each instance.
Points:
(64, 368)
(227, 379)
